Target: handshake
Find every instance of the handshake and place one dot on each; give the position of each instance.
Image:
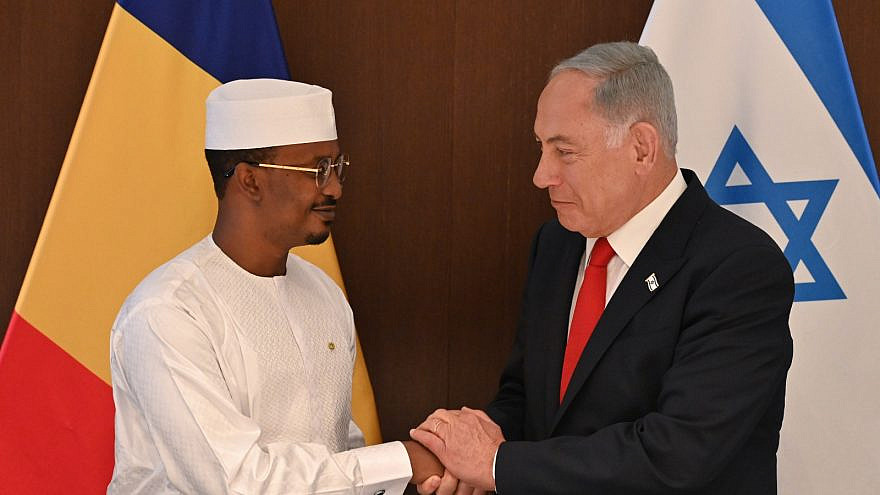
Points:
(454, 452)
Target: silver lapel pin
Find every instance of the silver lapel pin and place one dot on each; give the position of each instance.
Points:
(652, 282)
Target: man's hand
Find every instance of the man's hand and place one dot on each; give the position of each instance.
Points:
(424, 463)
(465, 442)
(448, 485)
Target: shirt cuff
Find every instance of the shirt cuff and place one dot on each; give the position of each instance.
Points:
(494, 460)
(384, 467)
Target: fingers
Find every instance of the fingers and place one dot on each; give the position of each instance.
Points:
(444, 415)
(438, 422)
(431, 442)
(448, 485)
(428, 486)
(464, 489)
(435, 427)
(439, 416)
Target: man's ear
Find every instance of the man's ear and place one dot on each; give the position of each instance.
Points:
(247, 182)
(645, 146)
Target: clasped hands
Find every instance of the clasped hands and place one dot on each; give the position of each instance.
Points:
(465, 442)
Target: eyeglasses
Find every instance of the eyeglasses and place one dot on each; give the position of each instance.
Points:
(322, 171)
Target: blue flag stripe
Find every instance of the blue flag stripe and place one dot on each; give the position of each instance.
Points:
(813, 38)
(229, 39)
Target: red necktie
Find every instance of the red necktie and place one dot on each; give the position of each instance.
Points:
(587, 310)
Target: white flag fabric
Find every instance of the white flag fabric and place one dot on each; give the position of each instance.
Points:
(769, 121)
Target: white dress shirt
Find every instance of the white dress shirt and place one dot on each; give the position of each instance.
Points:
(227, 382)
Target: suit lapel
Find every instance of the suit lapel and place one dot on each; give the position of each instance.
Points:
(662, 256)
(557, 328)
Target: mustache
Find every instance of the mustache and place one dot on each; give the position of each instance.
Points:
(326, 202)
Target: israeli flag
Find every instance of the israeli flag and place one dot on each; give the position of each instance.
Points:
(769, 120)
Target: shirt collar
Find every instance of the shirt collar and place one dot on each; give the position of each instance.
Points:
(631, 237)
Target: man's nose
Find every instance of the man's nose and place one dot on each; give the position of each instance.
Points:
(546, 174)
(333, 188)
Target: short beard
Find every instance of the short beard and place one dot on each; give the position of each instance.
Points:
(314, 239)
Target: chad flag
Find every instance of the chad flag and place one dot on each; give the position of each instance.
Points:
(134, 190)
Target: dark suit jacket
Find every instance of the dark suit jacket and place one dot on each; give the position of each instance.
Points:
(679, 390)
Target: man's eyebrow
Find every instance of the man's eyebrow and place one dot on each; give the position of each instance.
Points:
(556, 139)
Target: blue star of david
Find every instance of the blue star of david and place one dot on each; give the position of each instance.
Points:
(775, 195)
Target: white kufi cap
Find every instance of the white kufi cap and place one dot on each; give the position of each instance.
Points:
(258, 113)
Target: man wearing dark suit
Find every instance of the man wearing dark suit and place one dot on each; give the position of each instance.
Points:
(653, 344)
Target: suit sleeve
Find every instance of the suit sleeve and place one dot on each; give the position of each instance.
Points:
(730, 362)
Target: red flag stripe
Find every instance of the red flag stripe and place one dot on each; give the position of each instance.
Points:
(54, 411)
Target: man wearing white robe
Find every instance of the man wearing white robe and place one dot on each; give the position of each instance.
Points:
(232, 363)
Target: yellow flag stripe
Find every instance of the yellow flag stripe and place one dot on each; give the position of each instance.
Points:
(133, 191)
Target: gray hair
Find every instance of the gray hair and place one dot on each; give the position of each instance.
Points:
(633, 87)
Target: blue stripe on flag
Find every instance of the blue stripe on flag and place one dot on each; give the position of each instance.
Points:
(811, 34)
(229, 39)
